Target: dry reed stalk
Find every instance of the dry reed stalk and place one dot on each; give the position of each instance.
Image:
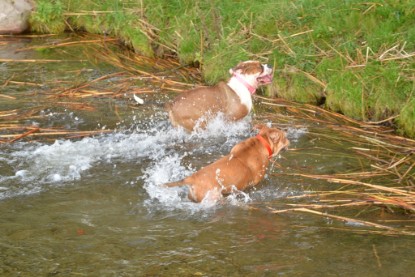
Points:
(407, 172)
(295, 35)
(405, 203)
(165, 88)
(358, 183)
(370, 200)
(321, 194)
(8, 113)
(8, 97)
(33, 130)
(285, 44)
(129, 64)
(375, 252)
(20, 114)
(64, 44)
(332, 206)
(108, 76)
(401, 198)
(82, 13)
(42, 133)
(78, 89)
(9, 126)
(139, 91)
(83, 93)
(38, 61)
(329, 117)
(24, 83)
(390, 230)
(27, 36)
(396, 220)
(312, 78)
(349, 175)
(362, 231)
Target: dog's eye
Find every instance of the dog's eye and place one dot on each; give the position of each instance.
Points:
(266, 66)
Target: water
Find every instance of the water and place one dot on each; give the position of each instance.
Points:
(96, 206)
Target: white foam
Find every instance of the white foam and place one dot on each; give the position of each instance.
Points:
(294, 134)
(219, 126)
(160, 172)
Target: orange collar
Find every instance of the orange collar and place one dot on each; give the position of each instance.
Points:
(265, 144)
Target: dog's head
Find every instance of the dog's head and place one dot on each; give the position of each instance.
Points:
(253, 72)
(276, 137)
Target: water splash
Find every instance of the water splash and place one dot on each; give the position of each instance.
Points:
(170, 168)
(167, 154)
(294, 134)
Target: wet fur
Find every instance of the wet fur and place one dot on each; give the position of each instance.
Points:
(245, 166)
(197, 106)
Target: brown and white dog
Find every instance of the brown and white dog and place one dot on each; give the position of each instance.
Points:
(233, 98)
(243, 167)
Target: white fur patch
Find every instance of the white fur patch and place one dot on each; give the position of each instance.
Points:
(242, 92)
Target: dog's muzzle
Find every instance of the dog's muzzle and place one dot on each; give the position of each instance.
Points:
(266, 76)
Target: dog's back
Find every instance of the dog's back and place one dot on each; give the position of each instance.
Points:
(233, 98)
(201, 104)
(243, 167)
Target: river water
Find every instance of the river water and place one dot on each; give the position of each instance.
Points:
(94, 206)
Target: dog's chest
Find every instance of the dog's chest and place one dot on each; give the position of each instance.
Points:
(246, 100)
(242, 92)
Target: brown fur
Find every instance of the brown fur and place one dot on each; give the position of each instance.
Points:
(188, 108)
(248, 68)
(243, 167)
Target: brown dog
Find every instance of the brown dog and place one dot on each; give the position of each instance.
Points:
(243, 167)
(233, 98)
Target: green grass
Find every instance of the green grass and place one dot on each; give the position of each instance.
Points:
(356, 48)
(48, 17)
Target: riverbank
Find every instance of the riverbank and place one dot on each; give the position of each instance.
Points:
(355, 58)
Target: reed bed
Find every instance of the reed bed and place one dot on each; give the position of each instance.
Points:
(385, 185)
(153, 76)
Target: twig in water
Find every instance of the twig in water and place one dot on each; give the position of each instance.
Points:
(375, 252)
(36, 129)
(346, 219)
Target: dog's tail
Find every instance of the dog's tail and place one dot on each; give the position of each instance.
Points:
(175, 184)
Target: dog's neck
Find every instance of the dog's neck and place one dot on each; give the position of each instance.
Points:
(265, 144)
(243, 89)
(249, 87)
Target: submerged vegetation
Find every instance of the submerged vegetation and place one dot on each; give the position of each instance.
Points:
(355, 57)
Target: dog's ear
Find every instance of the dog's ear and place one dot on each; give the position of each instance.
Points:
(235, 70)
(259, 127)
(275, 135)
(238, 69)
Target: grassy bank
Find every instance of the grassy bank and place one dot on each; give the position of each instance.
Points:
(355, 57)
